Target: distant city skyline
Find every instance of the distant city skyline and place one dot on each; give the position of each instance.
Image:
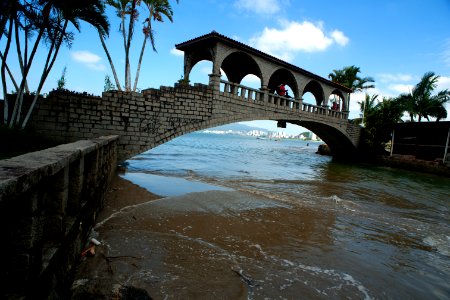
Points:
(272, 126)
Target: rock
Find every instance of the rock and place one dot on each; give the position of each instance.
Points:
(324, 149)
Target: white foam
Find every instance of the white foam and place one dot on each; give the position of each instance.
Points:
(439, 242)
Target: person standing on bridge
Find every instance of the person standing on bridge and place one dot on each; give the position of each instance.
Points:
(281, 90)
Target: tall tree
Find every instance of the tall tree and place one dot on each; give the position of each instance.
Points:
(128, 11)
(366, 107)
(90, 11)
(379, 122)
(422, 103)
(156, 10)
(50, 20)
(348, 77)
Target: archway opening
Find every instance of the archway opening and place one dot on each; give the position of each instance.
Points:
(238, 65)
(253, 82)
(201, 71)
(336, 102)
(283, 76)
(308, 98)
(314, 88)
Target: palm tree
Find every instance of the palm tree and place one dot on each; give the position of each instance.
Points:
(379, 121)
(421, 103)
(90, 11)
(127, 11)
(157, 9)
(123, 9)
(366, 107)
(348, 77)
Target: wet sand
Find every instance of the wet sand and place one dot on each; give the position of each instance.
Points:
(168, 248)
(208, 245)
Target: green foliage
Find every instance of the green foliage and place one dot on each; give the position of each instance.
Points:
(379, 122)
(366, 107)
(348, 77)
(421, 102)
(108, 84)
(61, 83)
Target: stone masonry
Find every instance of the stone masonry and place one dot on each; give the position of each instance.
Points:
(48, 203)
(148, 119)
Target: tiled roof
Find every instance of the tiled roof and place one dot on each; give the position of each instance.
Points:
(215, 36)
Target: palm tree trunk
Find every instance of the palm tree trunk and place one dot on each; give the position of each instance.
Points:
(11, 76)
(124, 36)
(139, 64)
(45, 13)
(113, 69)
(48, 67)
(5, 89)
(127, 49)
(19, 53)
(24, 78)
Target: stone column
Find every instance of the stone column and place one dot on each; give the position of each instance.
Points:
(214, 82)
(265, 95)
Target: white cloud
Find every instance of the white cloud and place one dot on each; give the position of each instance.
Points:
(389, 78)
(250, 78)
(443, 83)
(89, 59)
(339, 37)
(394, 90)
(85, 57)
(176, 52)
(401, 88)
(295, 37)
(261, 7)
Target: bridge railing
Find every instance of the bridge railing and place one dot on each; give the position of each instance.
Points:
(247, 93)
(241, 91)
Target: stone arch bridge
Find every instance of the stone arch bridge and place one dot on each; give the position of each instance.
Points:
(150, 118)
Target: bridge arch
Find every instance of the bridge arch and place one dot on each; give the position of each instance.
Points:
(192, 58)
(316, 89)
(154, 116)
(340, 145)
(282, 75)
(247, 65)
(336, 100)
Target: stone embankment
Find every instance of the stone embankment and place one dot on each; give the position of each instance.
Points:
(49, 201)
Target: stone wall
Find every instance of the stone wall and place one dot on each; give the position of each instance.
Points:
(142, 120)
(48, 203)
(155, 116)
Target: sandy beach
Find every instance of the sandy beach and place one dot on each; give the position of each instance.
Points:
(170, 247)
(241, 243)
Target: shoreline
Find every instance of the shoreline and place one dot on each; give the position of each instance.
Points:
(409, 163)
(142, 237)
(123, 193)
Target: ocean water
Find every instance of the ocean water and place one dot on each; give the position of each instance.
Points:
(247, 218)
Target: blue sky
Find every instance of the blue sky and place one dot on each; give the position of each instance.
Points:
(395, 42)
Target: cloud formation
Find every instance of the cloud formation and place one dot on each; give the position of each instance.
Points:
(401, 88)
(295, 37)
(89, 59)
(261, 7)
(389, 78)
(176, 52)
(443, 83)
